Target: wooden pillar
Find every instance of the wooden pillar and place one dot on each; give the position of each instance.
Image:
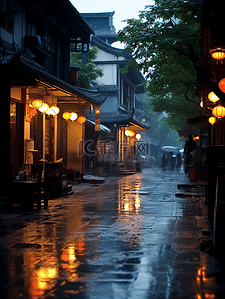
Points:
(5, 177)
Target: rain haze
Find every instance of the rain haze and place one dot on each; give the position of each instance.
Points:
(112, 180)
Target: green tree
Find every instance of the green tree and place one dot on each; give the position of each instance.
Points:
(88, 71)
(165, 43)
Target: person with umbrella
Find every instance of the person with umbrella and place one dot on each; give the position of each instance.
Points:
(190, 146)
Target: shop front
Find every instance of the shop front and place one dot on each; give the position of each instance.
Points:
(44, 134)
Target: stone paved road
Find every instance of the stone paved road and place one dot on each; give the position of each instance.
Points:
(126, 239)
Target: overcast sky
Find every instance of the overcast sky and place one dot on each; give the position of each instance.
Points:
(124, 9)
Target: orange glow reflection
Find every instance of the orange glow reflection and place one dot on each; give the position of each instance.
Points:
(42, 279)
(206, 296)
(129, 199)
(80, 246)
(69, 257)
(68, 254)
(201, 275)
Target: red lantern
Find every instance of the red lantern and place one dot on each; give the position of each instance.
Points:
(33, 111)
(222, 85)
(218, 111)
(81, 119)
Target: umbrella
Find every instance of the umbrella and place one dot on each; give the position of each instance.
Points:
(168, 148)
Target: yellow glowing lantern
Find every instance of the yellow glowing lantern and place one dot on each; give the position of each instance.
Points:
(138, 136)
(218, 111)
(81, 119)
(74, 116)
(132, 133)
(127, 132)
(66, 115)
(222, 85)
(54, 110)
(213, 97)
(44, 108)
(48, 111)
(218, 54)
(37, 103)
(212, 120)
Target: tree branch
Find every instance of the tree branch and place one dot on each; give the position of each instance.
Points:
(187, 98)
(200, 72)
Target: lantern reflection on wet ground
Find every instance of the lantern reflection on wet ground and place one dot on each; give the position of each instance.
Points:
(41, 280)
(68, 256)
(124, 239)
(129, 201)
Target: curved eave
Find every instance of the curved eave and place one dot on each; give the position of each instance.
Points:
(108, 48)
(136, 125)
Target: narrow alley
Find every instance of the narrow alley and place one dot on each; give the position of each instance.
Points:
(128, 238)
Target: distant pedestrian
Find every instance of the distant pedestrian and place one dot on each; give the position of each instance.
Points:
(179, 161)
(172, 161)
(190, 146)
(163, 164)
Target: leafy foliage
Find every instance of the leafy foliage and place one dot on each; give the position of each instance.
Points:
(162, 40)
(88, 71)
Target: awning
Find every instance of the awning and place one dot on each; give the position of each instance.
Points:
(27, 73)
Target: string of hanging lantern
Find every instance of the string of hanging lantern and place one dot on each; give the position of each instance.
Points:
(73, 116)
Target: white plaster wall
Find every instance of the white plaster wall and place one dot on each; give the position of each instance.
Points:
(110, 74)
(105, 56)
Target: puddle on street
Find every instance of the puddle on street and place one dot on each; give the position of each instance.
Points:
(122, 237)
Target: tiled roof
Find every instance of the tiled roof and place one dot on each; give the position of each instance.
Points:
(116, 117)
(119, 118)
(35, 71)
(108, 88)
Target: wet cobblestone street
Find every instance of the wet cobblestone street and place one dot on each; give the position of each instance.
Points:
(128, 238)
